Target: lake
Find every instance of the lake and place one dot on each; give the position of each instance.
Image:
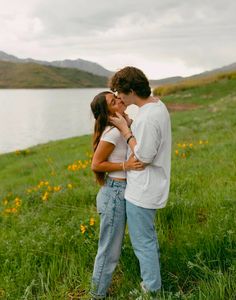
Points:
(33, 116)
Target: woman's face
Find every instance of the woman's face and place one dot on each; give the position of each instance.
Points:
(115, 104)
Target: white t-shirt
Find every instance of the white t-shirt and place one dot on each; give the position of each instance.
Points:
(152, 129)
(118, 155)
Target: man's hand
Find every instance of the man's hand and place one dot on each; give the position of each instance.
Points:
(133, 164)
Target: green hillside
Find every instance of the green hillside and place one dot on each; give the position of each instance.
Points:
(49, 224)
(29, 75)
(198, 91)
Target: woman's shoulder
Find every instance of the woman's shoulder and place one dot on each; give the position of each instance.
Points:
(111, 134)
(111, 130)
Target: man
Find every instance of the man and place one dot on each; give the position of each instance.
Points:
(150, 141)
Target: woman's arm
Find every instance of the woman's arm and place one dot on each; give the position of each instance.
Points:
(100, 157)
(120, 122)
(146, 153)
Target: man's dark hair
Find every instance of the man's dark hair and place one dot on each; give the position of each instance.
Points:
(128, 79)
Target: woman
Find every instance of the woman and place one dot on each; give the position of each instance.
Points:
(109, 165)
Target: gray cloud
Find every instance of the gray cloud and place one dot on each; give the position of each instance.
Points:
(188, 35)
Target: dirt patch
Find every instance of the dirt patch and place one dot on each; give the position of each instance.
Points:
(181, 106)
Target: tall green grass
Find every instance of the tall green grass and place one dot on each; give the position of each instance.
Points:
(44, 253)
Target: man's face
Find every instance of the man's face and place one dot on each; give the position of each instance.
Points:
(127, 99)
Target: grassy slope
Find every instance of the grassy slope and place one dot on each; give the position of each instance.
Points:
(31, 75)
(44, 254)
(199, 91)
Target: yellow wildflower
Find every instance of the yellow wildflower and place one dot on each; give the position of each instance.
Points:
(74, 167)
(45, 196)
(82, 228)
(57, 188)
(200, 142)
(183, 155)
(17, 201)
(177, 152)
(91, 221)
(13, 210)
(5, 201)
(70, 186)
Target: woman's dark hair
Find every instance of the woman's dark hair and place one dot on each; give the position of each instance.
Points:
(130, 79)
(100, 112)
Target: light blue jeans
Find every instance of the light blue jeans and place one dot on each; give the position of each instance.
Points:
(141, 224)
(111, 208)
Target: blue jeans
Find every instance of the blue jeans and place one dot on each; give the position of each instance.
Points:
(145, 244)
(111, 208)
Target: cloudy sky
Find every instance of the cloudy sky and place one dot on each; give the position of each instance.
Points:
(163, 38)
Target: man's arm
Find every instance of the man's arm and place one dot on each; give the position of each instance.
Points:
(146, 142)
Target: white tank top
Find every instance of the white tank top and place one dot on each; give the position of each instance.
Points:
(113, 135)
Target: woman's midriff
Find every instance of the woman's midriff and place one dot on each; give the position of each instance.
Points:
(118, 179)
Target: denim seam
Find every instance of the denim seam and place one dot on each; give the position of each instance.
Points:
(110, 233)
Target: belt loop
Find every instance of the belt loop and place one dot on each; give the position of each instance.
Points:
(110, 182)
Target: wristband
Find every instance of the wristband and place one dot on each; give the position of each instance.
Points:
(129, 139)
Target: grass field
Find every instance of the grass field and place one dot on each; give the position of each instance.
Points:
(49, 224)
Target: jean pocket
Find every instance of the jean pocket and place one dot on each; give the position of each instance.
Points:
(103, 196)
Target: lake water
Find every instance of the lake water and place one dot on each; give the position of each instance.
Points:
(33, 116)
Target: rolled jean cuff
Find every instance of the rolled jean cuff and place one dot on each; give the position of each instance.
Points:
(97, 296)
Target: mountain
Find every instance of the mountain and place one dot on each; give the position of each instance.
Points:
(168, 80)
(32, 75)
(156, 82)
(80, 64)
(84, 65)
(228, 68)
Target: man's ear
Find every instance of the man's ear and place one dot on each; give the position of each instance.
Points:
(132, 92)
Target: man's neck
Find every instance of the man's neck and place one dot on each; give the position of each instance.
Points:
(140, 101)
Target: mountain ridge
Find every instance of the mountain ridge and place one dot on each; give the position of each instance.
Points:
(79, 63)
(176, 79)
(96, 69)
(32, 75)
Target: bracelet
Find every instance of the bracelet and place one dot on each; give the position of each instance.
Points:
(123, 166)
(130, 138)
